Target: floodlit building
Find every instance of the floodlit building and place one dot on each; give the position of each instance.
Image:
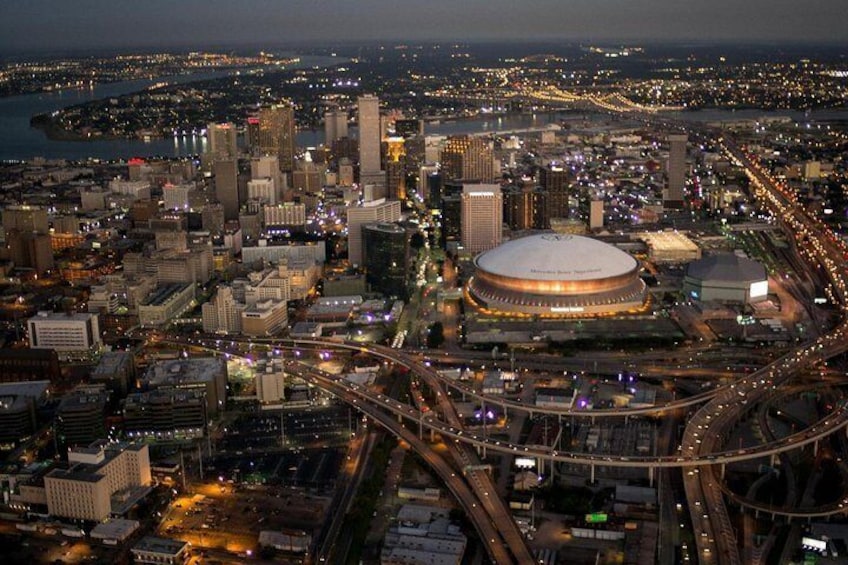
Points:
(670, 247)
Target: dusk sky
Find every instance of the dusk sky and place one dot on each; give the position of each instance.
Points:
(79, 24)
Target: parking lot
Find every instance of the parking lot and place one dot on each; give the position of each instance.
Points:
(219, 515)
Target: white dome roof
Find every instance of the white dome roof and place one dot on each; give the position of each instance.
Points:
(554, 257)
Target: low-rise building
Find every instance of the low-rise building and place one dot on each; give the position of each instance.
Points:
(160, 551)
(165, 303)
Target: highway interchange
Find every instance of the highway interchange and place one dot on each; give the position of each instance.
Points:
(701, 445)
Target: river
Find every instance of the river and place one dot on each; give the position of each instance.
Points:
(19, 141)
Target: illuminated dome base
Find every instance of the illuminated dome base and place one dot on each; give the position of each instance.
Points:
(628, 299)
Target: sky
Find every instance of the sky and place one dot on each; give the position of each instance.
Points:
(56, 25)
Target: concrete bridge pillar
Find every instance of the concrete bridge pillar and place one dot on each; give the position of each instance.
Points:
(432, 435)
(773, 459)
(722, 470)
(651, 476)
(816, 448)
(591, 474)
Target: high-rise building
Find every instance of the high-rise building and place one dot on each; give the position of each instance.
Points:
(83, 491)
(395, 168)
(81, 416)
(262, 189)
(385, 255)
(369, 134)
(482, 217)
(30, 250)
(554, 181)
(222, 140)
(277, 133)
(370, 212)
(175, 196)
(222, 313)
(251, 135)
(466, 157)
(525, 208)
(335, 126)
(673, 197)
(25, 219)
(226, 186)
(596, 214)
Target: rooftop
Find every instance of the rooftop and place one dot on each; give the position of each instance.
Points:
(555, 257)
(153, 544)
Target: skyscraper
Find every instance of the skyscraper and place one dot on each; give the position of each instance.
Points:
(465, 157)
(226, 186)
(554, 181)
(370, 212)
(335, 126)
(385, 252)
(673, 196)
(222, 140)
(277, 133)
(25, 218)
(395, 168)
(369, 134)
(482, 217)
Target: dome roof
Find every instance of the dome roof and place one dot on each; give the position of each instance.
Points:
(727, 267)
(555, 257)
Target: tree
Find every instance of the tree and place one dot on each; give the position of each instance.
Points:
(416, 241)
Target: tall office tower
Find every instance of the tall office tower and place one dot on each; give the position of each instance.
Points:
(554, 181)
(369, 134)
(525, 208)
(335, 126)
(251, 135)
(385, 253)
(395, 169)
(222, 140)
(482, 217)
(277, 135)
(262, 190)
(596, 213)
(25, 218)
(465, 157)
(226, 186)
(673, 196)
(370, 212)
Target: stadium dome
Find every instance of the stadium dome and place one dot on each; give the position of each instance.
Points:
(556, 274)
(726, 277)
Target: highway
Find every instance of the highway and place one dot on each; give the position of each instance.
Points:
(824, 254)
